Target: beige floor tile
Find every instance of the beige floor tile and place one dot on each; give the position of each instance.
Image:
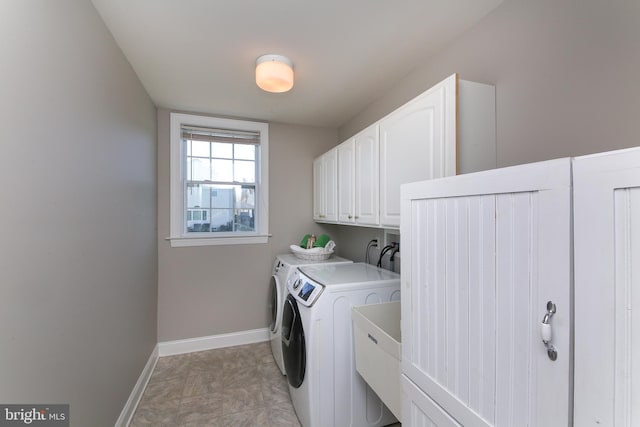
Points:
(214, 422)
(269, 372)
(209, 355)
(276, 391)
(211, 367)
(235, 386)
(251, 418)
(200, 409)
(262, 353)
(202, 383)
(240, 376)
(282, 415)
(163, 391)
(210, 362)
(242, 399)
(171, 367)
(156, 414)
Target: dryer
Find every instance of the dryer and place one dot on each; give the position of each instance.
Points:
(318, 348)
(284, 268)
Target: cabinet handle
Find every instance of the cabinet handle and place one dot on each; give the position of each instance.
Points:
(545, 331)
(349, 217)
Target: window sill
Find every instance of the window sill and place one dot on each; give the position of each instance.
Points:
(180, 242)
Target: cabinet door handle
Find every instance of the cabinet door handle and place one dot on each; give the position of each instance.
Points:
(545, 331)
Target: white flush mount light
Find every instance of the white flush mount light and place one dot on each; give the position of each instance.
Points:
(274, 73)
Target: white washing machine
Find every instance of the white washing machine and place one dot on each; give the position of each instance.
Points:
(284, 268)
(318, 348)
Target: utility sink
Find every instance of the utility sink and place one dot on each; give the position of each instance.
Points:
(376, 330)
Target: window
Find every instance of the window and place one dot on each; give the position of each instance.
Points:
(219, 181)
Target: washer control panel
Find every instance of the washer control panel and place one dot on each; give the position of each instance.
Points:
(305, 290)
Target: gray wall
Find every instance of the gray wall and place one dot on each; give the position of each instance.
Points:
(78, 263)
(565, 71)
(566, 77)
(352, 241)
(210, 290)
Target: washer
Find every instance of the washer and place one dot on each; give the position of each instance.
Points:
(284, 268)
(317, 343)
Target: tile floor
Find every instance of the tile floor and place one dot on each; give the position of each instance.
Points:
(235, 386)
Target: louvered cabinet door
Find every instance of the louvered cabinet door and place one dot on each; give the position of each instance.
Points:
(482, 255)
(607, 289)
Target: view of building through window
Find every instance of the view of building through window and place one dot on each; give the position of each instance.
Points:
(220, 186)
(220, 208)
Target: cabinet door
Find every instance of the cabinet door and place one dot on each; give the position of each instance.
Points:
(325, 198)
(319, 192)
(419, 410)
(485, 253)
(367, 177)
(346, 181)
(607, 289)
(417, 142)
(331, 185)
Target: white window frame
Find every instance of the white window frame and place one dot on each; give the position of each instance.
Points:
(177, 228)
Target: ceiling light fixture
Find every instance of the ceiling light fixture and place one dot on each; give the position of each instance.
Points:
(274, 73)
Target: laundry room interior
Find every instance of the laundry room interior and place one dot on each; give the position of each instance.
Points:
(333, 214)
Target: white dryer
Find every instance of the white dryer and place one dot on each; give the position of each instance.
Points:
(318, 348)
(284, 268)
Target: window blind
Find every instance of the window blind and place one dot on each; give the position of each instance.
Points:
(220, 135)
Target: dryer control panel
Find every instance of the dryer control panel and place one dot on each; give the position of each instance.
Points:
(305, 290)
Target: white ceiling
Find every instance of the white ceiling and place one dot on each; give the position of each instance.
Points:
(199, 55)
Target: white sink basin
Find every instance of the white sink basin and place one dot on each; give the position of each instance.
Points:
(376, 330)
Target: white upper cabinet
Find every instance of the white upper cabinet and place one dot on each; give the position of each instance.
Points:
(448, 129)
(318, 189)
(358, 179)
(417, 142)
(367, 177)
(325, 186)
(346, 181)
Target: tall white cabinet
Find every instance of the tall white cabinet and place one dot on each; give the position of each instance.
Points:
(484, 254)
(448, 129)
(521, 295)
(607, 289)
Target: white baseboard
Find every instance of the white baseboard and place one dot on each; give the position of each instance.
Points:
(170, 348)
(136, 394)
